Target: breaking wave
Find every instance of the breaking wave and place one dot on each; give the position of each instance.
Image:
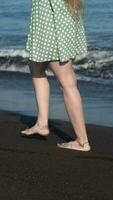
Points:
(97, 64)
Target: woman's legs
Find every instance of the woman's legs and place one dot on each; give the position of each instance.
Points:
(68, 83)
(42, 94)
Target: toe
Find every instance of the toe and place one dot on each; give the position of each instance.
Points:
(64, 145)
(60, 144)
(24, 131)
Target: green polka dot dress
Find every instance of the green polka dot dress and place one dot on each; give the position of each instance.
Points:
(54, 34)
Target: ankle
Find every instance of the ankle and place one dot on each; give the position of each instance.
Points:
(42, 124)
(82, 141)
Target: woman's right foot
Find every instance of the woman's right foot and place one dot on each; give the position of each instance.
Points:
(36, 129)
(75, 145)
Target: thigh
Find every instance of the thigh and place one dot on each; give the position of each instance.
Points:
(64, 72)
(37, 69)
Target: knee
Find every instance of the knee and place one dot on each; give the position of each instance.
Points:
(68, 83)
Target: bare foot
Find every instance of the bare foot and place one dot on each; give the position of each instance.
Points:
(36, 129)
(75, 145)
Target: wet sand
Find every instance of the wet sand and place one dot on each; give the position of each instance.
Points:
(35, 168)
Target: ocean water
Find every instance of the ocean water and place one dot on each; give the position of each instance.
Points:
(94, 72)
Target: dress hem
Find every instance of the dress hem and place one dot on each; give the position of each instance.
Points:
(58, 59)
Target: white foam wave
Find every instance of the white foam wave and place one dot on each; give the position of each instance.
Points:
(96, 60)
(13, 53)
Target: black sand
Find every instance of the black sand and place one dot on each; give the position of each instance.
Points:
(34, 168)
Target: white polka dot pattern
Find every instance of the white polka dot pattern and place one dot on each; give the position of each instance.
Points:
(54, 34)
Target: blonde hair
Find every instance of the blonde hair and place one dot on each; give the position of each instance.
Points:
(74, 6)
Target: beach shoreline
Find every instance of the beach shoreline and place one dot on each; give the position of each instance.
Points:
(97, 98)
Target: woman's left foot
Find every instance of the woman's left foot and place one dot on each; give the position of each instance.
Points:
(75, 145)
(36, 129)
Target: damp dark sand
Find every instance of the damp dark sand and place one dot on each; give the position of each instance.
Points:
(35, 168)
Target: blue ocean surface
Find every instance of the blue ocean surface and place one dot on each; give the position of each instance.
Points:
(94, 72)
(98, 15)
